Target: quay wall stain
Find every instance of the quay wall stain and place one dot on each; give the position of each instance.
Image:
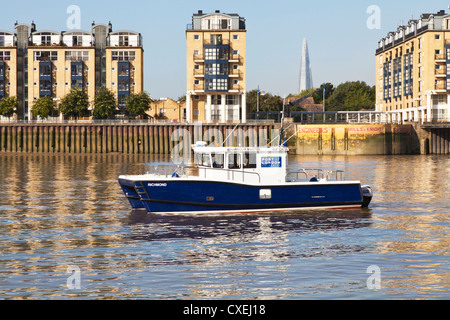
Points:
(356, 139)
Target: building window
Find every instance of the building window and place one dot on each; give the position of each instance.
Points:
(437, 37)
(45, 55)
(216, 54)
(76, 70)
(123, 70)
(196, 82)
(196, 37)
(123, 41)
(196, 67)
(235, 37)
(45, 70)
(124, 85)
(235, 52)
(216, 84)
(216, 68)
(77, 55)
(45, 86)
(5, 55)
(232, 100)
(77, 84)
(124, 55)
(216, 99)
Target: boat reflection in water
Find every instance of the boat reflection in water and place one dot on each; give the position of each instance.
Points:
(157, 227)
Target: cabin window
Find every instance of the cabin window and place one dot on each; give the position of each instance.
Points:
(250, 160)
(218, 160)
(234, 161)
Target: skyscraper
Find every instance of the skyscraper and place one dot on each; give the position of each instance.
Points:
(305, 81)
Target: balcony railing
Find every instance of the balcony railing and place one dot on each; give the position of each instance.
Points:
(441, 86)
(440, 57)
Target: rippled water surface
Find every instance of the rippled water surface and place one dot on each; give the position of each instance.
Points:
(67, 232)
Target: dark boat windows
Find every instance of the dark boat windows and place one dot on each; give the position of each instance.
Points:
(250, 160)
(218, 160)
(246, 160)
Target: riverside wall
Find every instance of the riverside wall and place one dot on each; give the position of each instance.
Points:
(151, 138)
(131, 138)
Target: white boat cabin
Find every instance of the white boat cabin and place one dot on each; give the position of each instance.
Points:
(255, 165)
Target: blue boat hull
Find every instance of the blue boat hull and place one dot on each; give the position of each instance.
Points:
(176, 196)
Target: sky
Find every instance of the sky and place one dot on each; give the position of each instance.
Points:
(342, 35)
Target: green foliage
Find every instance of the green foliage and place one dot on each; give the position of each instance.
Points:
(8, 106)
(104, 104)
(267, 102)
(318, 96)
(138, 104)
(44, 107)
(75, 103)
(352, 96)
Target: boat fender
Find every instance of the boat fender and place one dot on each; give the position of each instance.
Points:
(175, 175)
(313, 179)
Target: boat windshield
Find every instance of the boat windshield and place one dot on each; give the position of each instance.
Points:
(229, 160)
(212, 160)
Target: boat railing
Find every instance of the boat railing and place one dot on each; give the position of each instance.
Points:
(234, 175)
(319, 174)
(185, 171)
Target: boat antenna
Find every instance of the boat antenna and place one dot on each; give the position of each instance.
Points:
(223, 144)
(282, 121)
(279, 135)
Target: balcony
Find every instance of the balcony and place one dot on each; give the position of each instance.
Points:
(198, 88)
(440, 87)
(235, 74)
(199, 73)
(198, 58)
(235, 58)
(440, 58)
(440, 73)
(235, 88)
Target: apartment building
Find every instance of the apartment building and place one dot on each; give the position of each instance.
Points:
(8, 62)
(413, 70)
(216, 68)
(36, 63)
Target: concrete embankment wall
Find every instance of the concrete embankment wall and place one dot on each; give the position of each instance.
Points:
(356, 139)
(124, 138)
(150, 138)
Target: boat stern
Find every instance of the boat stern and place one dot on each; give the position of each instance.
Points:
(367, 195)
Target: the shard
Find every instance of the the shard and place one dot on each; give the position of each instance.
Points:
(305, 81)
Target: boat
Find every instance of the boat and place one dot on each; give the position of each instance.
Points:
(241, 180)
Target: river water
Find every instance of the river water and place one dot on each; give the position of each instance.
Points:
(67, 232)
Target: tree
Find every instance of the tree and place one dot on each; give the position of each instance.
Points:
(318, 96)
(267, 102)
(138, 104)
(8, 106)
(43, 107)
(104, 104)
(352, 96)
(75, 103)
